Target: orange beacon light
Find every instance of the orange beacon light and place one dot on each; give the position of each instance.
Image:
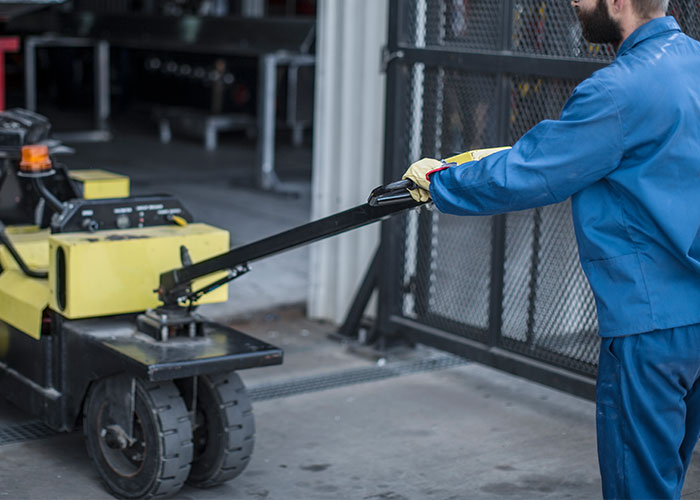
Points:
(35, 158)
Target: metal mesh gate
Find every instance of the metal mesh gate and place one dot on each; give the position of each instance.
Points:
(505, 290)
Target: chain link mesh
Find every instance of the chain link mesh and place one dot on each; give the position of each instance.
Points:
(475, 24)
(449, 289)
(548, 307)
(535, 99)
(464, 107)
(542, 27)
(551, 28)
(687, 13)
(460, 271)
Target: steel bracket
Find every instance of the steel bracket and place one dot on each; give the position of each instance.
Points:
(388, 56)
(120, 394)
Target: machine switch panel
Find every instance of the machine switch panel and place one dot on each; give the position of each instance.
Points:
(118, 213)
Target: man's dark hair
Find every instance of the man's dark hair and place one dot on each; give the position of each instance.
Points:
(645, 8)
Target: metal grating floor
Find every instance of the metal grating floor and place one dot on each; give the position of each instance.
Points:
(26, 431)
(354, 376)
(35, 429)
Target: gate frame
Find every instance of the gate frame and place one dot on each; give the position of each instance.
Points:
(390, 322)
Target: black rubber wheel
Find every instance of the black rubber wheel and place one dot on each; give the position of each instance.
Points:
(224, 431)
(158, 462)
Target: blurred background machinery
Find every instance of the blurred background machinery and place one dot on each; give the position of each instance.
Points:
(196, 67)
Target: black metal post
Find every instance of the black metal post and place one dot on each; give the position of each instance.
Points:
(532, 282)
(498, 252)
(392, 247)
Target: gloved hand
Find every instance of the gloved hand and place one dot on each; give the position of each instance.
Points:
(417, 173)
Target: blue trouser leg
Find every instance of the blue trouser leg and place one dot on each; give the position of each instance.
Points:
(692, 427)
(648, 411)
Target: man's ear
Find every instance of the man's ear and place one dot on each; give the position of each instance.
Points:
(617, 6)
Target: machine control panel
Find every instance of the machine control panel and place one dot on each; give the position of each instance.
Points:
(118, 213)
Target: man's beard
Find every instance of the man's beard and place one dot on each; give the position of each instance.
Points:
(598, 26)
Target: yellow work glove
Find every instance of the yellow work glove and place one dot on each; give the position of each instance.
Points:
(417, 173)
(473, 155)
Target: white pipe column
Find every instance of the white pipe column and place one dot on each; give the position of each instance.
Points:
(348, 144)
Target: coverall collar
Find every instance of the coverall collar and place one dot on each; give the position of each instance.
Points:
(648, 30)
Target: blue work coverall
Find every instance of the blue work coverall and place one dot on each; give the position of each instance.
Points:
(626, 149)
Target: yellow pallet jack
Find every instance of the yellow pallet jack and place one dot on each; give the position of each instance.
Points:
(98, 318)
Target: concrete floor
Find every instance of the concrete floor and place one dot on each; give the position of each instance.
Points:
(462, 432)
(379, 430)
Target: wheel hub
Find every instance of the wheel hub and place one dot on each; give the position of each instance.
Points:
(123, 455)
(115, 437)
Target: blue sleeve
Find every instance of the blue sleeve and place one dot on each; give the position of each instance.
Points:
(552, 161)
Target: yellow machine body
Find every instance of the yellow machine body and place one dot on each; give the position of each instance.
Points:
(23, 299)
(116, 272)
(101, 184)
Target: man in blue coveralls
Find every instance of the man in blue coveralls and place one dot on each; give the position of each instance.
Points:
(626, 148)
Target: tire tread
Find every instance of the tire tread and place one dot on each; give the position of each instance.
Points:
(234, 405)
(174, 434)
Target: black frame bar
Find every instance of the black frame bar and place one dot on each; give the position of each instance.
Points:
(497, 357)
(503, 61)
